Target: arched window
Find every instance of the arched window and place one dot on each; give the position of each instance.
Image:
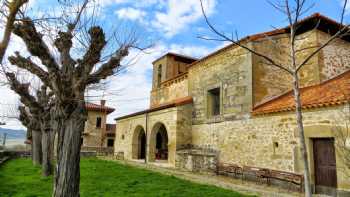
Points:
(159, 75)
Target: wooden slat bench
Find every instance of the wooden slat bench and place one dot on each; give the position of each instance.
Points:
(225, 168)
(262, 174)
(294, 178)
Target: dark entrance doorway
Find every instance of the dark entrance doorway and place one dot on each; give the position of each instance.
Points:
(325, 166)
(162, 144)
(139, 143)
(142, 146)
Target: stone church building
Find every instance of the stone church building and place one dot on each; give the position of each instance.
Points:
(232, 107)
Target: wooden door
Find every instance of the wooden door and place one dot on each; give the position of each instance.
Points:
(325, 163)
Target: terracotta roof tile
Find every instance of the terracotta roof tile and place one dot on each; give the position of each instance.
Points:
(335, 91)
(95, 107)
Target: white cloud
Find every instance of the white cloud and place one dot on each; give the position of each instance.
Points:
(143, 3)
(180, 14)
(194, 51)
(131, 14)
(169, 17)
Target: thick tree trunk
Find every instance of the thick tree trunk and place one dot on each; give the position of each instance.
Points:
(36, 147)
(47, 149)
(68, 166)
(303, 148)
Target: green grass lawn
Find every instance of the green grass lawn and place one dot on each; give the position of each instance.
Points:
(102, 178)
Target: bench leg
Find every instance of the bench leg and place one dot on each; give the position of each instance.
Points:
(268, 181)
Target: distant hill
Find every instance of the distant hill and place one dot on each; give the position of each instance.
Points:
(13, 134)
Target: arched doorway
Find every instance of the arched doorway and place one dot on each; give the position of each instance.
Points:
(139, 143)
(159, 143)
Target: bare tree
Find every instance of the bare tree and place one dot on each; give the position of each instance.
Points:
(293, 10)
(32, 126)
(33, 129)
(9, 11)
(39, 120)
(68, 78)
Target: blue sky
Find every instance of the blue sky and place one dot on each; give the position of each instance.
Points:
(172, 25)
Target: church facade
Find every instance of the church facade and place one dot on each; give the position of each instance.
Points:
(232, 107)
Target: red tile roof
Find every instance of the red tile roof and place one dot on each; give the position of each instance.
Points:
(335, 91)
(100, 108)
(175, 103)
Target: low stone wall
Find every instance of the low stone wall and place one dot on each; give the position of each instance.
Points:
(197, 159)
(98, 150)
(16, 154)
(88, 154)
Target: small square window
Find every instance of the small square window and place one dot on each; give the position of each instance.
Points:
(214, 102)
(98, 122)
(110, 143)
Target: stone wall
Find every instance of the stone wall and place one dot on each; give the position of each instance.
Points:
(163, 63)
(270, 141)
(231, 72)
(92, 135)
(171, 68)
(174, 67)
(270, 81)
(334, 58)
(197, 159)
(170, 91)
(124, 137)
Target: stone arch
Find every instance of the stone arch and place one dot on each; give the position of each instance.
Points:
(159, 143)
(139, 143)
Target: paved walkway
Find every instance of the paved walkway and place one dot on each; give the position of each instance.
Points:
(244, 187)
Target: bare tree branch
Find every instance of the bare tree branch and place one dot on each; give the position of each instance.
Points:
(107, 68)
(93, 53)
(14, 7)
(23, 91)
(35, 44)
(222, 35)
(29, 65)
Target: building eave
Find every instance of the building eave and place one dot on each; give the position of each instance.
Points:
(175, 103)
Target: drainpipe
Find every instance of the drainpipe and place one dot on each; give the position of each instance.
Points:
(146, 156)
